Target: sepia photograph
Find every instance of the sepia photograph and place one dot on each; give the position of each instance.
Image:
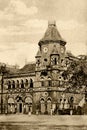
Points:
(43, 64)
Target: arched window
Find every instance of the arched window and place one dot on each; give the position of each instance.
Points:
(28, 100)
(22, 84)
(17, 83)
(13, 84)
(71, 101)
(49, 99)
(10, 101)
(26, 82)
(31, 83)
(9, 84)
(49, 83)
(42, 81)
(42, 100)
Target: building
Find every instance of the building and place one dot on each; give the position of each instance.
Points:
(41, 87)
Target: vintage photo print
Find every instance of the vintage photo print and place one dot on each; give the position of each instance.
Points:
(43, 64)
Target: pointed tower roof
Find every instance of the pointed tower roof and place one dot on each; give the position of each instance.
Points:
(52, 34)
(38, 53)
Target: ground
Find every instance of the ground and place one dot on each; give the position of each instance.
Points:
(45, 119)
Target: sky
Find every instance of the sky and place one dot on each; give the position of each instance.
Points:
(24, 22)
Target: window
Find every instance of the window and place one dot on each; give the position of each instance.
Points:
(22, 84)
(31, 83)
(42, 83)
(71, 102)
(26, 82)
(49, 82)
(17, 83)
(52, 59)
(64, 100)
(45, 59)
(9, 84)
(61, 60)
(55, 61)
(38, 62)
(60, 78)
(44, 73)
(42, 100)
(13, 84)
(71, 99)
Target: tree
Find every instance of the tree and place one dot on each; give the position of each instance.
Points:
(76, 73)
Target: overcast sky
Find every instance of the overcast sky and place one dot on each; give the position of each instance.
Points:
(23, 23)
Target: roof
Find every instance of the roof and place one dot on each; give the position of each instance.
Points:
(8, 70)
(38, 53)
(52, 34)
(28, 68)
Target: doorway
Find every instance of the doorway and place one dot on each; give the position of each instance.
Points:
(49, 105)
(20, 107)
(28, 104)
(42, 103)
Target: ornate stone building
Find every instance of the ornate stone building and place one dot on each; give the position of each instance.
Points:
(42, 88)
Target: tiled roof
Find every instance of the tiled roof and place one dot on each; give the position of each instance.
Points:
(28, 68)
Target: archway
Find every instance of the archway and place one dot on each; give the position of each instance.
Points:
(42, 102)
(19, 104)
(28, 105)
(49, 105)
(11, 106)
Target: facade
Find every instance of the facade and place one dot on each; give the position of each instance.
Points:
(43, 89)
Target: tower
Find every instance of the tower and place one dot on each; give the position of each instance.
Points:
(50, 56)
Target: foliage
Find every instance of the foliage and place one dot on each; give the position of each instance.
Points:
(76, 73)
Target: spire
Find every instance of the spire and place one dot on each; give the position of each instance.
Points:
(52, 34)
